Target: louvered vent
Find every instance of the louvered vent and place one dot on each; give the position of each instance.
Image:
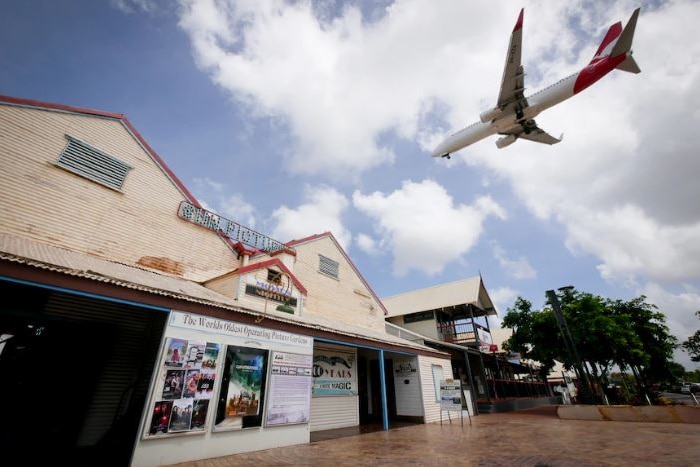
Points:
(328, 266)
(84, 160)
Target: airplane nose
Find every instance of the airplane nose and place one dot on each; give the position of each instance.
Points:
(439, 151)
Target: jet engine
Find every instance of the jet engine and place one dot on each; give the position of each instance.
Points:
(505, 141)
(489, 115)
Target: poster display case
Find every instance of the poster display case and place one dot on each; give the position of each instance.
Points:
(216, 375)
(242, 393)
(184, 387)
(290, 389)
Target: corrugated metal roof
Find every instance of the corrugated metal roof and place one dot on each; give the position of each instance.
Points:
(61, 260)
(470, 291)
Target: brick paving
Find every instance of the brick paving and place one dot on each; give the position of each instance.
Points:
(526, 438)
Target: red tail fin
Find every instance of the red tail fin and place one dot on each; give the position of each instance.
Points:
(608, 41)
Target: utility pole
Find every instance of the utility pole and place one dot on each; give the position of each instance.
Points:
(570, 346)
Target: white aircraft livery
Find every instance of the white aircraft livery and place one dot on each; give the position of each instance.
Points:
(514, 114)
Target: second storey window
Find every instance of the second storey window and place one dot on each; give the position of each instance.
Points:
(84, 160)
(327, 266)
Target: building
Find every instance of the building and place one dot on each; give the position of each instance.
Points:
(453, 317)
(138, 328)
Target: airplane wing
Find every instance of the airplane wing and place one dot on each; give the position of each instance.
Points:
(530, 131)
(511, 97)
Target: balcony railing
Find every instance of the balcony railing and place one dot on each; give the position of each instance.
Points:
(457, 333)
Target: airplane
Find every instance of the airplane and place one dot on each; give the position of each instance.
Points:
(513, 117)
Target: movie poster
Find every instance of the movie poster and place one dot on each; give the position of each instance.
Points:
(191, 383)
(195, 355)
(174, 381)
(242, 388)
(175, 351)
(199, 414)
(205, 388)
(211, 354)
(181, 415)
(161, 417)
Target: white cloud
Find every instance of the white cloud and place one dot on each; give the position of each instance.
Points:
(133, 6)
(366, 243)
(422, 226)
(502, 298)
(236, 208)
(623, 179)
(518, 269)
(214, 197)
(339, 82)
(322, 212)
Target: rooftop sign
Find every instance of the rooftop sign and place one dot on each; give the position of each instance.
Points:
(227, 228)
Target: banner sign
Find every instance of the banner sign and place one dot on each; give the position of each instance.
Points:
(290, 389)
(335, 373)
(244, 331)
(228, 228)
(450, 395)
(270, 292)
(484, 339)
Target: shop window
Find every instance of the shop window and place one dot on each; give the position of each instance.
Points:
(415, 317)
(274, 277)
(91, 163)
(328, 267)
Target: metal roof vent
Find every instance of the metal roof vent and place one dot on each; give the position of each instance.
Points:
(84, 160)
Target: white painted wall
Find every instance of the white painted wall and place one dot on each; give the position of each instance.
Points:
(407, 388)
(332, 412)
(431, 407)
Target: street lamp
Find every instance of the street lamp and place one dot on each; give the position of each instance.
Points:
(569, 342)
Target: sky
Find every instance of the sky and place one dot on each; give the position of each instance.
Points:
(300, 117)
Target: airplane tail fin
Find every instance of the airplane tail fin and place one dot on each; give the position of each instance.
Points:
(624, 43)
(629, 65)
(618, 41)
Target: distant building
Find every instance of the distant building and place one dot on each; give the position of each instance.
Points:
(453, 317)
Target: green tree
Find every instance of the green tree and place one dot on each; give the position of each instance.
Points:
(692, 345)
(606, 333)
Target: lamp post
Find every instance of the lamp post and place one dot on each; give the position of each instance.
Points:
(569, 344)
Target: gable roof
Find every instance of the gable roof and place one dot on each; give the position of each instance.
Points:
(315, 237)
(20, 102)
(470, 291)
(31, 103)
(270, 263)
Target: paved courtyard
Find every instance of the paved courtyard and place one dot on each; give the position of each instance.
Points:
(525, 438)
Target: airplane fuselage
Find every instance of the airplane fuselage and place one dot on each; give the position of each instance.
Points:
(537, 103)
(513, 117)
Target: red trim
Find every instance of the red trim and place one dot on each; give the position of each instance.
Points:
(240, 248)
(308, 239)
(519, 23)
(287, 250)
(160, 162)
(612, 34)
(272, 262)
(595, 71)
(64, 108)
(347, 258)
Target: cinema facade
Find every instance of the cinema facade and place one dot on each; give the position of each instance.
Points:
(137, 328)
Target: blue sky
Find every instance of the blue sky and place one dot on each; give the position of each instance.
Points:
(299, 117)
